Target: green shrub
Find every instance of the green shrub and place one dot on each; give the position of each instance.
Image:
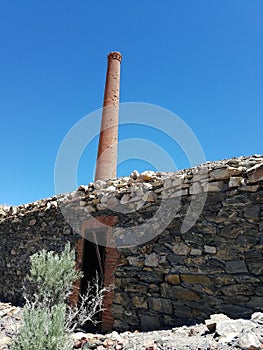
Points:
(43, 329)
(48, 321)
(51, 276)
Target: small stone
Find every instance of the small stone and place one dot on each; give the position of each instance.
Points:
(195, 251)
(116, 336)
(257, 317)
(238, 266)
(147, 175)
(32, 222)
(235, 181)
(133, 260)
(78, 336)
(161, 305)
(83, 188)
(183, 293)
(147, 186)
(100, 184)
(224, 173)
(228, 338)
(139, 302)
(152, 260)
(233, 326)
(255, 173)
(118, 347)
(5, 341)
(215, 186)
(108, 342)
(173, 279)
(251, 188)
(134, 175)
(211, 323)
(219, 173)
(210, 249)
(249, 340)
(149, 322)
(181, 248)
(196, 279)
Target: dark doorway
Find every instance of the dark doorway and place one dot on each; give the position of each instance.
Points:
(93, 264)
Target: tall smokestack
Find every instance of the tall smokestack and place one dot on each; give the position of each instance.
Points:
(107, 150)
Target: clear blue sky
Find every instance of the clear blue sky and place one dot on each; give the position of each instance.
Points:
(201, 59)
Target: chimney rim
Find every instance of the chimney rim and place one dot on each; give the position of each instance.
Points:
(115, 55)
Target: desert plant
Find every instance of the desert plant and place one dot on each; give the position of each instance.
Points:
(90, 304)
(51, 277)
(48, 321)
(43, 328)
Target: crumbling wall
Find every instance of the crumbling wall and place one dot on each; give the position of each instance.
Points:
(190, 243)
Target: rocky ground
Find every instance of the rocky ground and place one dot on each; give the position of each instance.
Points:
(219, 333)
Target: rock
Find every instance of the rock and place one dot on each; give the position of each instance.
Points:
(149, 322)
(147, 175)
(140, 302)
(161, 305)
(224, 172)
(225, 327)
(228, 338)
(196, 279)
(235, 181)
(79, 335)
(257, 317)
(212, 322)
(5, 341)
(118, 347)
(217, 186)
(180, 248)
(195, 251)
(249, 340)
(32, 222)
(134, 175)
(238, 266)
(83, 188)
(173, 279)
(255, 173)
(152, 260)
(100, 184)
(116, 336)
(210, 249)
(108, 343)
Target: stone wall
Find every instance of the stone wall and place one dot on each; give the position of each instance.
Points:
(25, 230)
(190, 243)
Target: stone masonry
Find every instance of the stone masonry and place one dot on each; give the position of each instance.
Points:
(189, 243)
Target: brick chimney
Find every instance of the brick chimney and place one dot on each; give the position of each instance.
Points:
(106, 167)
(107, 151)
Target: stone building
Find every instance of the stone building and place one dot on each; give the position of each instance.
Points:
(177, 246)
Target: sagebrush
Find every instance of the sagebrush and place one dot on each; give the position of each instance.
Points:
(48, 321)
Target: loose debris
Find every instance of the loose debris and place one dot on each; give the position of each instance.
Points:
(218, 333)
